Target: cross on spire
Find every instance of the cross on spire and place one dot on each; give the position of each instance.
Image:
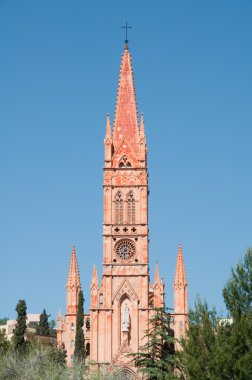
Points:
(126, 27)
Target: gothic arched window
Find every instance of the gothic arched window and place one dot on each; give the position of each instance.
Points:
(124, 162)
(131, 208)
(118, 208)
(72, 326)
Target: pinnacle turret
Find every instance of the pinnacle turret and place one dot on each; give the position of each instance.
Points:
(180, 274)
(180, 298)
(73, 279)
(156, 279)
(94, 281)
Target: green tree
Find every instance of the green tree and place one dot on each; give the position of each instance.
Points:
(196, 360)
(52, 324)
(19, 331)
(79, 350)
(237, 295)
(216, 348)
(43, 326)
(156, 357)
(237, 292)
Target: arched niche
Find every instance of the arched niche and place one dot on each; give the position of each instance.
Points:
(124, 305)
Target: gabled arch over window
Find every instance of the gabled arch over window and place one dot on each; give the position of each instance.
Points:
(124, 162)
(119, 208)
(131, 208)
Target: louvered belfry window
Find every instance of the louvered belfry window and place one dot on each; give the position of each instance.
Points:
(119, 208)
(131, 208)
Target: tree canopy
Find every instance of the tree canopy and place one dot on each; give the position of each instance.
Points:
(43, 326)
(217, 348)
(237, 292)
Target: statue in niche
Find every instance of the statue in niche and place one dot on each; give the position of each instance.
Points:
(125, 324)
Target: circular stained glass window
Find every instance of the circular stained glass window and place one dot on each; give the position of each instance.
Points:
(125, 249)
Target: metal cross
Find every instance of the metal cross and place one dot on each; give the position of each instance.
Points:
(126, 27)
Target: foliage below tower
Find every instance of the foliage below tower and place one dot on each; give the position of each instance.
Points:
(79, 351)
(156, 357)
(216, 348)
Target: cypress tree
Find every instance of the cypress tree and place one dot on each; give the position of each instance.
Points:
(79, 350)
(19, 332)
(43, 327)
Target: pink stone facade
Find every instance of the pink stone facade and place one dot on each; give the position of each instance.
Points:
(121, 303)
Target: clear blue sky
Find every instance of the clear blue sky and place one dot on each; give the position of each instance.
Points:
(59, 71)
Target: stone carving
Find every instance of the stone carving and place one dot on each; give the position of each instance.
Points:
(125, 324)
(126, 319)
(125, 288)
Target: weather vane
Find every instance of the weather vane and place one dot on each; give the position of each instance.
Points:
(126, 27)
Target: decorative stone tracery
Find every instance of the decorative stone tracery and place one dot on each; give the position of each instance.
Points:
(125, 249)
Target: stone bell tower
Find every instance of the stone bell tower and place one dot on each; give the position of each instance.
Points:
(120, 306)
(122, 303)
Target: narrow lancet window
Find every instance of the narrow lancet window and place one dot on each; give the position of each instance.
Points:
(131, 208)
(119, 208)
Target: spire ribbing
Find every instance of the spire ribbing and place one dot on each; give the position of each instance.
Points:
(73, 273)
(126, 122)
(180, 274)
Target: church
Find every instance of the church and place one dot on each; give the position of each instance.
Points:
(123, 300)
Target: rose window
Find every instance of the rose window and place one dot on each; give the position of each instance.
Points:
(125, 249)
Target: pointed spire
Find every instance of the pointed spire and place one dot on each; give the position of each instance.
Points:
(60, 321)
(126, 122)
(108, 128)
(59, 315)
(180, 274)
(73, 273)
(94, 280)
(156, 280)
